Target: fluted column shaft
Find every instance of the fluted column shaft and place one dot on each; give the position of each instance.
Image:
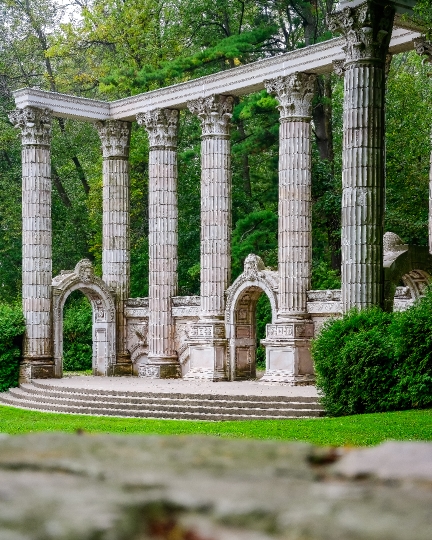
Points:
(367, 29)
(294, 94)
(115, 136)
(215, 113)
(35, 126)
(423, 47)
(162, 126)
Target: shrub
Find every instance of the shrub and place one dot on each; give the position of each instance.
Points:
(77, 334)
(372, 361)
(11, 331)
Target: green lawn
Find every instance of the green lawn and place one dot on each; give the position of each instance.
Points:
(360, 430)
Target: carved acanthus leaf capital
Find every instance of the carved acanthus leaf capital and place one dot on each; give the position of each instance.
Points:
(34, 123)
(115, 137)
(161, 126)
(423, 47)
(294, 93)
(367, 30)
(215, 113)
(339, 67)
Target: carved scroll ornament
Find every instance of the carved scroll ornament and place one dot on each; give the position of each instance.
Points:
(34, 123)
(161, 126)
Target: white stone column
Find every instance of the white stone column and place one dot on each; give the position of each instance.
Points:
(424, 48)
(162, 128)
(35, 126)
(287, 341)
(367, 29)
(208, 343)
(115, 137)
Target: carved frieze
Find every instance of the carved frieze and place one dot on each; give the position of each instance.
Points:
(115, 137)
(367, 30)
(34, 123)
(215, 113)
(161, 126)
(294, 93)
(324, 295)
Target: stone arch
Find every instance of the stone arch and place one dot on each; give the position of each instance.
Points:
(410, 265)
(83, 279)
(242, 298)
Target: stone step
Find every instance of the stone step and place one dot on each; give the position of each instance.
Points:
(8, 399)
(100, 403)
(160, 398)
(173, 395)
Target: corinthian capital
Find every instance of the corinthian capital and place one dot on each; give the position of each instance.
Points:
(34, 123)
(115, 137)
(294, 93)
(423, 47)
(161, 126)
(215, 113)
(367, 30)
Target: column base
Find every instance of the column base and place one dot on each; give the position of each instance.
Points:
(36, 368)
(288, 357)
(123, 366)
(159, 369)
(207, 351)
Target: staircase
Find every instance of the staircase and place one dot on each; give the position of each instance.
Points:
(42, 396)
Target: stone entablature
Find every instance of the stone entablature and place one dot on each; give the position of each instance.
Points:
(240, 80)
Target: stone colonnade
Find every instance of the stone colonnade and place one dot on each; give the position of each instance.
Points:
(367, 30)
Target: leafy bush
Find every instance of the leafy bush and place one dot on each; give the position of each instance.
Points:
(11, 331)
(263, 317)
(77, 334)
(371, 361)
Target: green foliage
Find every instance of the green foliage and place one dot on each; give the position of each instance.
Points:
(372, 361)
(323, 277)
(11, 331)
(77, 333)
(263, 317)
(256, 233)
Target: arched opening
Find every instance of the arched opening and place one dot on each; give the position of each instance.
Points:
(103, 316)
(243, 329)
(251, 314)
(77, 334)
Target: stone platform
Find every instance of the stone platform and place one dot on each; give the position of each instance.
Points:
(173, 399)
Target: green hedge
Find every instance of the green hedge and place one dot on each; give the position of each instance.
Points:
(11, 331)
(371, 361)
(77, 333)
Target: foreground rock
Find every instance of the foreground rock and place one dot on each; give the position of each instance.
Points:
(58, 486)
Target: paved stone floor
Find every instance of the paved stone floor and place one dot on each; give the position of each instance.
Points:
(245, 388)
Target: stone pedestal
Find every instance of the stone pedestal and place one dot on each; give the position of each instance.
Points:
(35, 126)
(115, 136)
(208, 353)
(162, 127)
(367, 29)
(288, 358)
(288, 354)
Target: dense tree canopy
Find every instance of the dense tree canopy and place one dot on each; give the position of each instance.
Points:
(110, 49)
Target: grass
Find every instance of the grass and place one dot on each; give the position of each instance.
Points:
(359, 430)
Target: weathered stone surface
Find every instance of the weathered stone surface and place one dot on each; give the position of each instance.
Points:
(57, 486)
(367, 30)
(115, 136)
(35, 127)
(162, 128)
